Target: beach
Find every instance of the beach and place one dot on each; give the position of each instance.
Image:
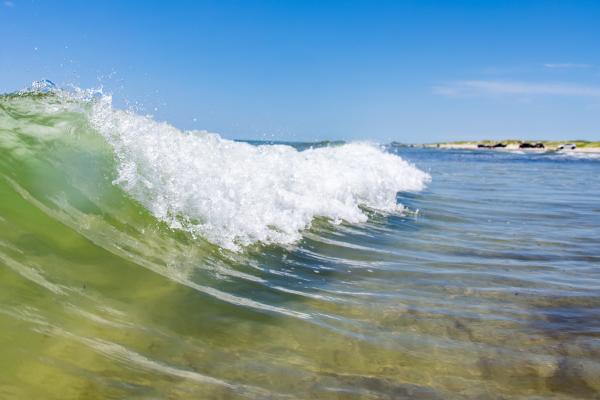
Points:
(512, 146)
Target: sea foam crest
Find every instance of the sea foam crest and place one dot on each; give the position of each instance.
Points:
(235, 194)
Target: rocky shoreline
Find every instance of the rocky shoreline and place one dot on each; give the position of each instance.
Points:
(577, 146)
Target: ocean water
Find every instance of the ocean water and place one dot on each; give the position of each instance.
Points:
(138, 261)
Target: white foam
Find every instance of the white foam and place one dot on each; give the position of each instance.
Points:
(236, 194)
(577, 155)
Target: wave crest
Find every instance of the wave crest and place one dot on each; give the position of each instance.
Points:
(233, 193)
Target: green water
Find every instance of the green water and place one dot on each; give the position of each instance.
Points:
(101, 300)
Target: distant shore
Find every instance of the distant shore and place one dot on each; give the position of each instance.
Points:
(534, 145)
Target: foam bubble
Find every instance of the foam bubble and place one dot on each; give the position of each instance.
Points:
(235, 194)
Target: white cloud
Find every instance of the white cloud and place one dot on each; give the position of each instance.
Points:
(9, 3)
(480, 88)
(566, 65)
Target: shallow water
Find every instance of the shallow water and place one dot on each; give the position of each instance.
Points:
(486, 285)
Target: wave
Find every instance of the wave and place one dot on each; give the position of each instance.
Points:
(577, 155)
(116, 281)
(233, 194)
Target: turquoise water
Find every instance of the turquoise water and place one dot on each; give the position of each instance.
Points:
(141, 262)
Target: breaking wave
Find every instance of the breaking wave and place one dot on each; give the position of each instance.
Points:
(231, 193)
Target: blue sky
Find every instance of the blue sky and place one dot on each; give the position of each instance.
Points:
(308, 70)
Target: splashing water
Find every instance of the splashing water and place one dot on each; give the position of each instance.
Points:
(236, 193)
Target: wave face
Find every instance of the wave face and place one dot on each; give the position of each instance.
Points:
(232, 194)
(138, 261)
